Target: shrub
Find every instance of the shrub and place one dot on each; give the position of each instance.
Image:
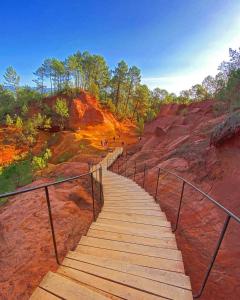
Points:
(15, 175)
(19, 123)
(40, 162)
(61, 108)
(226, 130)
(9, 120)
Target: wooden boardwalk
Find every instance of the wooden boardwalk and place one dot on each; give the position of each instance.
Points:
(130, 252)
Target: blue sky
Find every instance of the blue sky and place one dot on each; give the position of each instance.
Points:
(175, 43)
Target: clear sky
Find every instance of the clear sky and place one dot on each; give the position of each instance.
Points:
(176, 43)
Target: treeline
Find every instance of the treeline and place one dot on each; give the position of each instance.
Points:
(119, 89)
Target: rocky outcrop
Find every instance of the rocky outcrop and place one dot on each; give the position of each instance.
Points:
(185, 150)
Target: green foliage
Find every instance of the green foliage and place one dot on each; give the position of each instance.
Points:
(9, 120)
(26, 94)
(40, 162)
(15, 175)
(11, 78)
(230, 93)
(7, 102)
(61, 108)
(19, 123)
(93, 89)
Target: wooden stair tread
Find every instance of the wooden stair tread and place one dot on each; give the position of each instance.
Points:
(172, 278)
(172, 254)
(40, 294)
(134, 231)
(153, 228)
(151, 220)
(130, 251)
(130, 280)
(68, 289)
(138, 259)
(111, 287)
(141, 212)
(115, 236)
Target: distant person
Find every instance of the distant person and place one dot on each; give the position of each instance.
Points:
(139, 138)
(114, 139)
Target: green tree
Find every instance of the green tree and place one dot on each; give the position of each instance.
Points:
(140, 102)
(133, 79)
(231, 93)
(119, 81)
(11, 78)
(40, 77)
(9, 120)
(61, 108)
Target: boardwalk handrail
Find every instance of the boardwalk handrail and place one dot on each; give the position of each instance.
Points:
(229, 215)
(45, 186)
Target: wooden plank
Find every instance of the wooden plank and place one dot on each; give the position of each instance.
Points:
(172, 278)
(144, 284)
(68, 289)
(132, 205)
(114, 236)
(144, 233)
(124, 292)
(172, 254)
(153, 228)
(133, 218)
(142, 212)
(138, 259)
(40, 294)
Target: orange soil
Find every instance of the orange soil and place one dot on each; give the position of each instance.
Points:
(179, 140)
(25, 240)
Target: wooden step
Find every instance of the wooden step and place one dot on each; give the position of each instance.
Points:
(152, 220)
(141, 212)
(165, 226)
(138, 259)
(111, 287)
(130, 280)
(134, 231)
(129, 238)
(40, 294)
(176, 279)
(131, 248)
(66, 288)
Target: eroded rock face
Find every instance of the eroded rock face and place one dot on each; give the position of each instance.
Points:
(85, 111)
(185, 149)
(26, 247)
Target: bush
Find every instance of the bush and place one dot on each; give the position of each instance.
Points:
(226, 130)
(15, 175)
(9, 120)
(40, 162)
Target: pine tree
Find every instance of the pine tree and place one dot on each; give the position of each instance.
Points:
(11, 78)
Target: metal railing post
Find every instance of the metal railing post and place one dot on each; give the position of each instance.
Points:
(93, 204)
(126, 168)
(220, 239)
(179, 207)
(144, 175)
(159, 170)
(51, 224)
(101, 187)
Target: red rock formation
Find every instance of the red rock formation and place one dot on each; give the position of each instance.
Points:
(185, 150)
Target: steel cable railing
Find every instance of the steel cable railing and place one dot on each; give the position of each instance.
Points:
(123, 164)
(45, 187)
